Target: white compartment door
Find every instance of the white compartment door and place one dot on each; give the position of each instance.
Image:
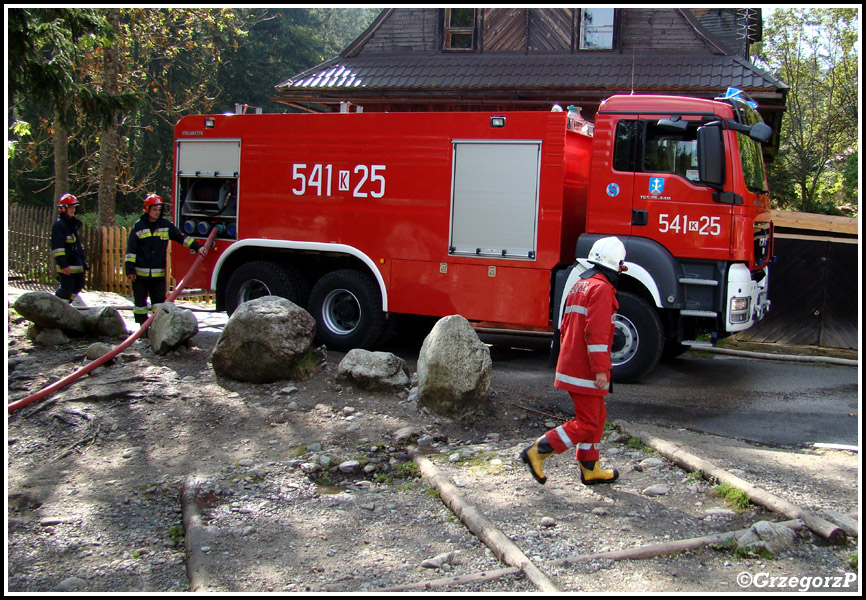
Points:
(208, 158)
(494, 208)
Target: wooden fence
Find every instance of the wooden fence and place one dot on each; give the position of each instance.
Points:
(30, 260)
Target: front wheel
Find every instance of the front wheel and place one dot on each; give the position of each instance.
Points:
(638, 339)
(347, 307)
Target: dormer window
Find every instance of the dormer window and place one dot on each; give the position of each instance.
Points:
(460, 29)
(596, 28)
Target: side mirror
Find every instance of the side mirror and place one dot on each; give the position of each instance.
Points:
(761, 132)
(711, 156)
(674, 124)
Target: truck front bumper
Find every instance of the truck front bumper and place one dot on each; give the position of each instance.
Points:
(747, 301)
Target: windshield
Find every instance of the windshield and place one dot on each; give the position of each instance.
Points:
(750, 151)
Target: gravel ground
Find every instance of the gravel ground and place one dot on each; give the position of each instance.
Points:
(310, 486)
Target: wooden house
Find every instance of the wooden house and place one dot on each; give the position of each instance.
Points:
(444, 59)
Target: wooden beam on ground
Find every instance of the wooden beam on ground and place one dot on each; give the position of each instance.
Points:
(504, 549)
(691, 463)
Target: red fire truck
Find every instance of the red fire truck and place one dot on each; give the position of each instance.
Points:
(363, 217)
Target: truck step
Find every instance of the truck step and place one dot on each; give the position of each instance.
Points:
(695, 281)
(698, 313)
(697, 344)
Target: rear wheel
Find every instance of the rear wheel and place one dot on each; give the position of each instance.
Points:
(264, 278)
(347, 306)
(638, 338)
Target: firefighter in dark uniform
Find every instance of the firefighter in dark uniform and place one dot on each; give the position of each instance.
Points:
(146, 258)
(67, 249)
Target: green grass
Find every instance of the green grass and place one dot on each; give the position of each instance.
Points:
(736, 497)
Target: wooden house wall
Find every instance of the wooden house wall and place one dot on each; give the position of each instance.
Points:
(537, 30)
(407, 30)
(504, 29)
(659, 29)
(551, 30)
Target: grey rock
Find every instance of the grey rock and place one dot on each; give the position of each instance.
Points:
(49, 312)
(656, 490)
(374, 371)
(47, 337)
(171, 327)
(453, 369)
(105, 322)
(263, 340)
(70, 584)
(772, 537)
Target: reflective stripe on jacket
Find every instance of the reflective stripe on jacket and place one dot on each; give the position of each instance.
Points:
(66, 244)
(586, 335)
(147, 245)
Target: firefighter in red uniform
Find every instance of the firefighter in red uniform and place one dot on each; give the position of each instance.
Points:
(145, 256)
(584, 365)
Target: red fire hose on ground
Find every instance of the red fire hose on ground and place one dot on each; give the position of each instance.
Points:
(117, 349)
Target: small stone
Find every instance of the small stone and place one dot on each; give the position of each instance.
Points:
(656, 490)
(548, 522)
(349, 466)
(70, 584)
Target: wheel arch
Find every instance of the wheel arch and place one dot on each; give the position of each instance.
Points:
(653, 272)
(338, 255)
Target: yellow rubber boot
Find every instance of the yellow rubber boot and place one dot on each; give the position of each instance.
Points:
(591, 473)
(535, 455)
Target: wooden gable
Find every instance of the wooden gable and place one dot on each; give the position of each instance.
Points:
(532, 58)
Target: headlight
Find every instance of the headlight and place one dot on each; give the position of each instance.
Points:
(740, 304)
(740, 309)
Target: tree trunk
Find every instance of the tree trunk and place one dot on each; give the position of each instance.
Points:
(107, 197)
(61, 158)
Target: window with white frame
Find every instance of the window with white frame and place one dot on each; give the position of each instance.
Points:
(596, 28)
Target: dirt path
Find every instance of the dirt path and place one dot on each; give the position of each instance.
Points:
(310, 486)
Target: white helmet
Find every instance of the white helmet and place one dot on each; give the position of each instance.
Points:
(608, 252)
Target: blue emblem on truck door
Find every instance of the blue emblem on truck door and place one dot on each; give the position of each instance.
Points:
(656, 185)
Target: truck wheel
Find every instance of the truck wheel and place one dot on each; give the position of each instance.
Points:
(347, 306)
(637, 340)
(264, 278)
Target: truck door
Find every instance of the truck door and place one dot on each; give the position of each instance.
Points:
(670, 205)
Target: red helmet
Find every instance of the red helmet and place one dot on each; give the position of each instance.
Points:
(152, 200)
(67, 200)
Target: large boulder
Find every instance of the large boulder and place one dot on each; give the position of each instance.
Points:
(47, 311)
(374, 371)
(453, 369)
(171, 327)
(263, 340)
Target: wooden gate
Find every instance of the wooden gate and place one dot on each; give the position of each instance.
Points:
(813, 289)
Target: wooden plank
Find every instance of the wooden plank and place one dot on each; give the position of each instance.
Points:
(830, 223)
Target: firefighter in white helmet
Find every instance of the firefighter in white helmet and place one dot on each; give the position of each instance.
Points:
(584, 365)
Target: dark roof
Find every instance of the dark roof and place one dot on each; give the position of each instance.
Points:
(608, 72)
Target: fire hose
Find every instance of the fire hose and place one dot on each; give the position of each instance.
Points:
(117, 349)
